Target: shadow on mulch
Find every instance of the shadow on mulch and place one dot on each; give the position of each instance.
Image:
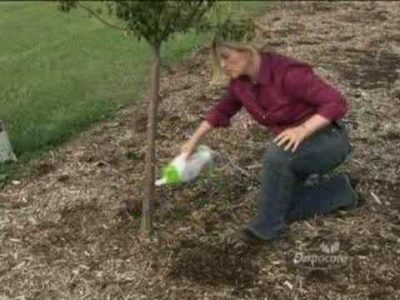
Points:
(215, 265)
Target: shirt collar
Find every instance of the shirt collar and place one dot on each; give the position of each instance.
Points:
(264, 73)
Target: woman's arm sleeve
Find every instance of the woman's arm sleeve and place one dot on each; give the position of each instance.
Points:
(221, 113)
(302, 83)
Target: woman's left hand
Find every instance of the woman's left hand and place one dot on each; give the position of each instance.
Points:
(294, 136)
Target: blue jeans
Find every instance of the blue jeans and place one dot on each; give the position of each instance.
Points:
(285, 194)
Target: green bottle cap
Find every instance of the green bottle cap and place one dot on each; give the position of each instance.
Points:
(172, 175)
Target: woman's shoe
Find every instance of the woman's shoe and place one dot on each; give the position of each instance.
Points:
(353, 182)
(246, 235)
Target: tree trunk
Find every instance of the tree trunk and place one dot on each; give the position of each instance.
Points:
(6, 152)
(148, 201)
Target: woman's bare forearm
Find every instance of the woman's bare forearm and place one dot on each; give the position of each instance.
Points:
(315, 123)
(201, 131)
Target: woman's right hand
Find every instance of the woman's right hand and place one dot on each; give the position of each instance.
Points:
(188, 147)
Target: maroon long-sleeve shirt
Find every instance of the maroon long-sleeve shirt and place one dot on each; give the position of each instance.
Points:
(286, 93)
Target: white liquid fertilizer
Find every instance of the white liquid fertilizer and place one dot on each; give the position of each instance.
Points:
(181, 170)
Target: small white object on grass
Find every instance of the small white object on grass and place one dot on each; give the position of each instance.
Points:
(6, 153)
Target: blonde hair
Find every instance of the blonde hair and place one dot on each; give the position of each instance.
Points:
(218, 77)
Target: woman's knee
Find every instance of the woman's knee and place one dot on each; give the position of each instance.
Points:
(275, 156)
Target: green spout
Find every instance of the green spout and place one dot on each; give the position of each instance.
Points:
(171, 174)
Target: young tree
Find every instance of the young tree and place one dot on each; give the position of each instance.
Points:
(156, 22)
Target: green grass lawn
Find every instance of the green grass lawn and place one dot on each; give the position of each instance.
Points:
(61, 72)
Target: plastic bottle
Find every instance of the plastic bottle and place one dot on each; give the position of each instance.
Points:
(181, 170)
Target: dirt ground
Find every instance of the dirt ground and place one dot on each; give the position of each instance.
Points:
(69, 228)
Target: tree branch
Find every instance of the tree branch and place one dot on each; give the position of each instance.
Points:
(89, 10)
